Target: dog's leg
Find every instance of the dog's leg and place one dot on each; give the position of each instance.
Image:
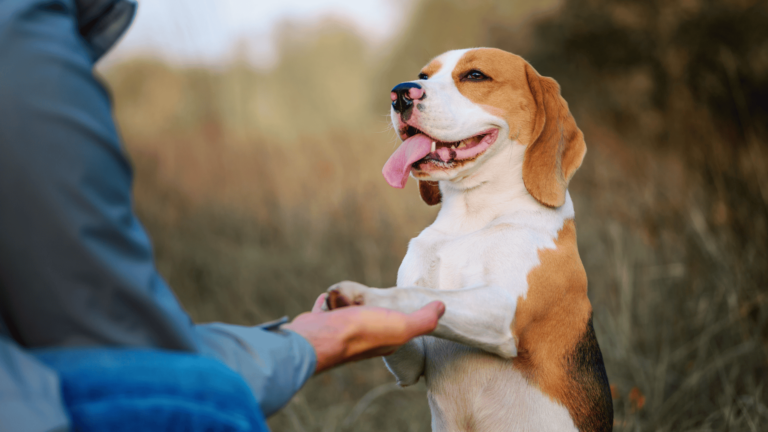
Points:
(407, 363)
(479, 316)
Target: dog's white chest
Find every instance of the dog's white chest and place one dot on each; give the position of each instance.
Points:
(500, 254)
(433, 262)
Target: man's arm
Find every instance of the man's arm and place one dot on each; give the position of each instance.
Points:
(76, 266)
(277, 362)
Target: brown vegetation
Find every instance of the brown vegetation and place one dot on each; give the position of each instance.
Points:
(261, 189)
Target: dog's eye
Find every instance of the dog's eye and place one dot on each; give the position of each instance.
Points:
(475, 75)
(423, 76)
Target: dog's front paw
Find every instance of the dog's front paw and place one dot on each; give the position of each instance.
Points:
(345, 294)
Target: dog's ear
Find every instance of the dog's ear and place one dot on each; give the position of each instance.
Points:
(557, 145)
(430, 192)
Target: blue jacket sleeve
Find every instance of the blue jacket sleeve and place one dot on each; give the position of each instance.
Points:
(275, 363)
(76, 266)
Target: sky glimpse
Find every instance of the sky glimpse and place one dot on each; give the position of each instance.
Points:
(199, 32)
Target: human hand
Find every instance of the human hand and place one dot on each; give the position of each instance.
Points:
(361, 332)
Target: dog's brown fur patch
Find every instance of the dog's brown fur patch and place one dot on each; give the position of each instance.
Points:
(506, 94)
(558, 146)
(536, 114)
(557, 348)
(432, 68)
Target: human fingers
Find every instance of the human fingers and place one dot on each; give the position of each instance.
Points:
(374, 327)
(374, 352)
(424, 320)
(383, 331)
(318, 307)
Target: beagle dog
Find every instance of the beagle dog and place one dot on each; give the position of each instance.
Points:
(494, 141)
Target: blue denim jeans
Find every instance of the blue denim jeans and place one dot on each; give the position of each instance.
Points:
(112, 389)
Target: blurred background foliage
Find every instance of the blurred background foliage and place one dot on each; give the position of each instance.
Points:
(260, 188)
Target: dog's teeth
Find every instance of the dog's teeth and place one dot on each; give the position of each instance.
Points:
(461, 145)
(433, 146)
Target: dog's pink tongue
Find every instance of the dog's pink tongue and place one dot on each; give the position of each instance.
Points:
(398, 166)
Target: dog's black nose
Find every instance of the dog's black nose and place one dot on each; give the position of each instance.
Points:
(404, 94)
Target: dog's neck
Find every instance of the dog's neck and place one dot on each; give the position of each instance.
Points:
(493, 190)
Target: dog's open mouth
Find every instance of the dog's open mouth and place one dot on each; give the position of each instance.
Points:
(419, 148)
(447, 154)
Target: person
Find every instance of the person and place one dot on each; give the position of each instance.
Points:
(76, 266)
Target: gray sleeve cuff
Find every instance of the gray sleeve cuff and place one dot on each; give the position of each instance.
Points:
(274, 362)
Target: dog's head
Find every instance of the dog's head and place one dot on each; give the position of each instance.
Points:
(466, 107)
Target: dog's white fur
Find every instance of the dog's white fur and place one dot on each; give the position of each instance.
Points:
(475, 258)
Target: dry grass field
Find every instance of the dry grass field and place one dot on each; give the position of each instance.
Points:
(262, 188)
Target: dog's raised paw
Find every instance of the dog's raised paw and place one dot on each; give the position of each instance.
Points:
(345, 294)
(335, 300)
